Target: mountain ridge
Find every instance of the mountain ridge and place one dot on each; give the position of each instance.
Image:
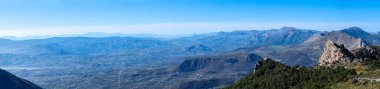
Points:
(151, 61)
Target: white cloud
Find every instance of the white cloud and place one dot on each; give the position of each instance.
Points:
(181, 28)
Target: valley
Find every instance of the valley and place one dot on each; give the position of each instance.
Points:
(200, 61)
(189, 44)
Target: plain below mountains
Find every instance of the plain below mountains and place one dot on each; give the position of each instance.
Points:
(199, 61)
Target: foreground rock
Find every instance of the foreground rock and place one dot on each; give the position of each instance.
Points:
(10, 81)
(335, 54)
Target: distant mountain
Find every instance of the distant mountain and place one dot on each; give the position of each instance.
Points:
(99, 43)
(149, 62)
(307, 53)
(142, 35)
(111, 51)
(224, 41)
(99, 35)
(359, 33)
(317, 41)
(87, 52)
(352, 38)
(199, 48)
(10, 81)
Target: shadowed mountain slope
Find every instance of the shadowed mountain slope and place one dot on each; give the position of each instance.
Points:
(10, 81)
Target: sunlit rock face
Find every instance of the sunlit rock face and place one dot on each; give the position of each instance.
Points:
(335, 54)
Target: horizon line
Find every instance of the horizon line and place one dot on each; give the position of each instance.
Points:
(180, 28)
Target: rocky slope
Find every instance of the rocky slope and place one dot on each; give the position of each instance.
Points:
(369, 52)
(360, 33)
(339, 69)
(308, 52)
(334, 54)
(10, 81)
(317, 41)
(216, 67)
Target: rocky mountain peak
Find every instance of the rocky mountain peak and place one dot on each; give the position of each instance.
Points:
(355, 31)
(318, 40)
(335, 54)
(359, 33)
(354, 28)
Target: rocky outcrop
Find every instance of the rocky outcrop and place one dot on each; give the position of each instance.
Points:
(335, 54)
(367, 53)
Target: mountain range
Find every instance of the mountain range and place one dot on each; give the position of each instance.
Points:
(198, 61)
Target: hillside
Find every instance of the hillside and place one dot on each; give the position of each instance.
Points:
(338, 69)
(224, 41)
(199, 61)
(274, 75)
(60, 61)
(308, 52)
(10, 81)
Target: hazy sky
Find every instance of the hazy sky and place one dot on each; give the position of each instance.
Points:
(54, 17)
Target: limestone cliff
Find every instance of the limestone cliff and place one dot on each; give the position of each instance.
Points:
(335, 54)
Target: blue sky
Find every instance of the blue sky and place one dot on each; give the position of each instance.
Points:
(54, 17)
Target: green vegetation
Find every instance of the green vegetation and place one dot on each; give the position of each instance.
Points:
(356, 84)
(364, 74)
(372, 64)
(371, 74)
(369, 69)
(274, 75)
(370, 56)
